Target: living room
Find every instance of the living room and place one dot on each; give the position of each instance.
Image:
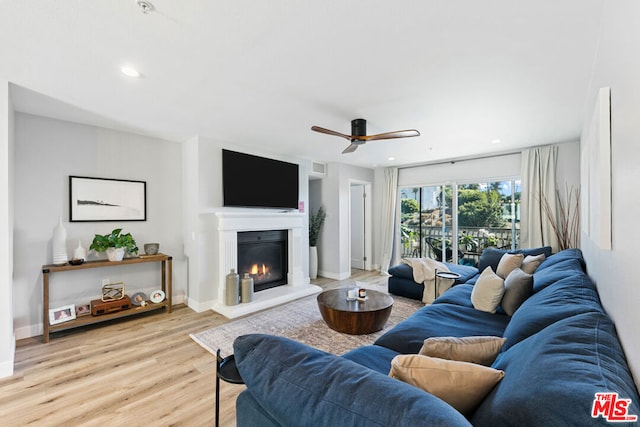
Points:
(40, 149)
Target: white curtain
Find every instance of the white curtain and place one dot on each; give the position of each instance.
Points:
(388, 219)
(538, 180)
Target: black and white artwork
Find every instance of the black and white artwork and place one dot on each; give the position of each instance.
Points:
(103, 199)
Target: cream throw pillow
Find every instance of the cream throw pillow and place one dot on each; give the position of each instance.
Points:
(531, 263)
(487, 292)
(508, 263)
(462, 385)
(482, 350)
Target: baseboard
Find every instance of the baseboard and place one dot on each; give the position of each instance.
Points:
(6, 367)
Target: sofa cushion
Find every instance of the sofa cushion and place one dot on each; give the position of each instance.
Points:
(552, 377)
(490, 257)
(567, 254)
(517, 288)
(531, 262)
(299, 385)
(480, 349)
(544, 277)
(572, 295)
(373, 357)
(458, 295)
(508, 263)
(488, 291)
(463, 385)
(406, 272)
(441, 320)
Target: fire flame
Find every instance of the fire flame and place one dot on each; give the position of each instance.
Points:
(256, 270)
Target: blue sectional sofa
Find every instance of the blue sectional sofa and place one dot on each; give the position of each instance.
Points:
(561, 349)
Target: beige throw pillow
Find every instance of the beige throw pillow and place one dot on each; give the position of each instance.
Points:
(531, 263)
(482, 350)
(487, 292)
(507, 263)
(462, 385)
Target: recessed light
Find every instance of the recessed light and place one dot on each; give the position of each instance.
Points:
(130, 71)
(496, 141)
(391, 159)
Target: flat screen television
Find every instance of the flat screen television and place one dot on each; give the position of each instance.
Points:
(253, 181)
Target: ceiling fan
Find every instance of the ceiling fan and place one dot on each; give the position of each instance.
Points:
(359, 134)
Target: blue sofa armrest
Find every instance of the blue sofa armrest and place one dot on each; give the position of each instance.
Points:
(295, 385)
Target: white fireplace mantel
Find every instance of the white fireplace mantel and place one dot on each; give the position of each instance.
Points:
(229, 223)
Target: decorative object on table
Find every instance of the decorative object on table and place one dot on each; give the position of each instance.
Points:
(60, 244)
(75, 261)
(232, 289)
(62, 314)
(139, 299)
(112, 291)
(315, 224)
(352, 293)
(103, 199)
(83, 310)
(114, 244)
(151, 248)
(99, 307)
(79, 252)
(157, 296)
(246, 293)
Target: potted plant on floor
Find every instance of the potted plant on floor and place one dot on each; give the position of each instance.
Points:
(315, 224)
(114, 244)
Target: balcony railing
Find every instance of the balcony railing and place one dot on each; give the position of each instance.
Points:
(471, 242)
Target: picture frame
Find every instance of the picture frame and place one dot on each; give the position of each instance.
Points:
(62, 314)
(106, 199)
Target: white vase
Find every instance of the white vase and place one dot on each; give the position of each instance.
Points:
(79, 252)
(313, 262)
(115, 254)
(60, 244)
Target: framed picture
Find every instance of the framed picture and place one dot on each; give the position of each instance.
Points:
(83, 310)
(62, 314)
(103, 199)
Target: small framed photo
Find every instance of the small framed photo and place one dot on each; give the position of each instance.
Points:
(62, 314)
(83, 310)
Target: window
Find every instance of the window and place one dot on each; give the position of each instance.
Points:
(480, 214)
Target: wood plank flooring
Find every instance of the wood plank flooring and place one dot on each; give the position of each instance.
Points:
(142, 371)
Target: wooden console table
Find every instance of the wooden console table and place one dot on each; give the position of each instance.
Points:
(167, 272)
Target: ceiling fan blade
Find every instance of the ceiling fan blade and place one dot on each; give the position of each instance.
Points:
(391, 135)
(330, 132)
(350, 149)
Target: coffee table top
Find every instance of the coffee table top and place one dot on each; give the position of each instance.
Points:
(336, 299)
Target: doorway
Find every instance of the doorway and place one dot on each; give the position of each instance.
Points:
(360, 227)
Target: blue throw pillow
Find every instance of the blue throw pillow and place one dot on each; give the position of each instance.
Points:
(490, 257)
(302, 386)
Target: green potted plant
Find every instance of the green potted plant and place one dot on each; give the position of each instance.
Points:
(114, 244)
(315, 224)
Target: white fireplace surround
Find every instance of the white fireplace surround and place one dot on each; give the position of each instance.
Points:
(229, 223)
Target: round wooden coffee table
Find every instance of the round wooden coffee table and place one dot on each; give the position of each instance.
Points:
(354, 317)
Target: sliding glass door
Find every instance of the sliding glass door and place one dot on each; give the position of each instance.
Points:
(479, 214)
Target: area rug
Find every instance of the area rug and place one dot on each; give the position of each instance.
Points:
(299, 320)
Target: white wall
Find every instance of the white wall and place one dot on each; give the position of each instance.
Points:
(47, 151)
(617, 65)
(7, 337)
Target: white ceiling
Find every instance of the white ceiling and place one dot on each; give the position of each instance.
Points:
(260, 73)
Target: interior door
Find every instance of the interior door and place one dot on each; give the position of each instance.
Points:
(358, 226)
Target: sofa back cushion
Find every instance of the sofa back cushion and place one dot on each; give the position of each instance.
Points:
(551, 378)
(299, 385)
(572, 295)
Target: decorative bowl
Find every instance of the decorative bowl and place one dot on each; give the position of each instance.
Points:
(76, 261)
(151, 248)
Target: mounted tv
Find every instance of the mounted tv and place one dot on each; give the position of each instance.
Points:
(253, 181)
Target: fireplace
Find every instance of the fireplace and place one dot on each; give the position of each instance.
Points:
(227, 225)
(263, 254)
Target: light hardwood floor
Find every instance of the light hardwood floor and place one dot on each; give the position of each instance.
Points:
(142, 371)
